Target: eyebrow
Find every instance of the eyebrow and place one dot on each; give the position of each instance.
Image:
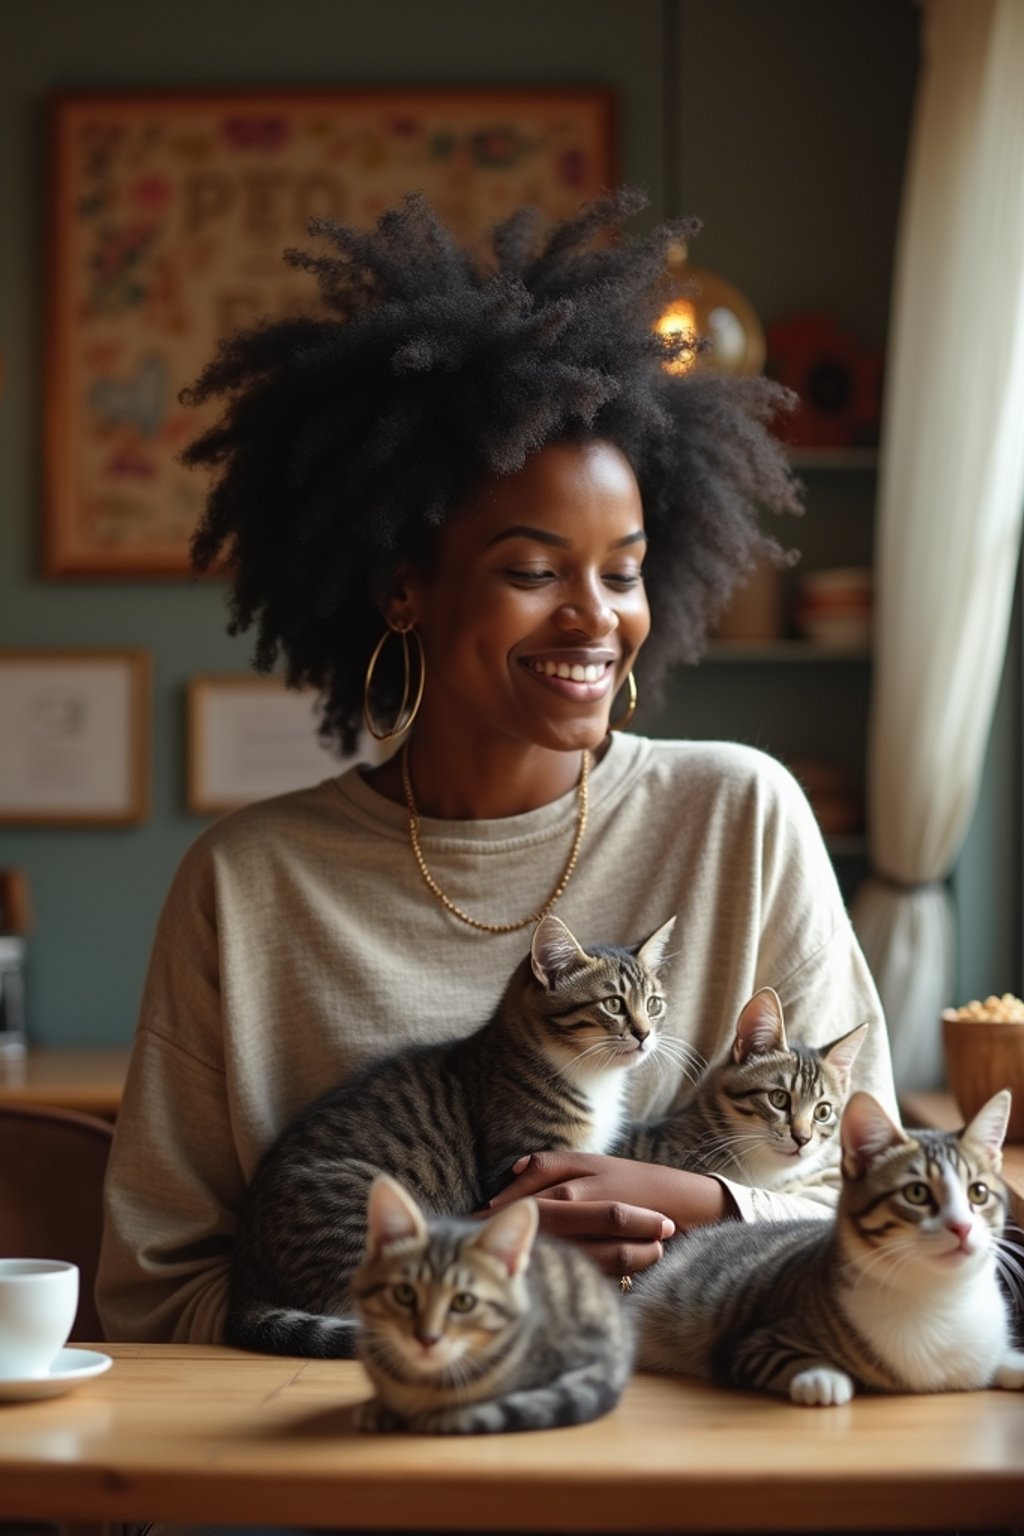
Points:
(542, 536)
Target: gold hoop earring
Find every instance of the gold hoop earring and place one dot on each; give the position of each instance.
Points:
(620, 724)
(405, 715)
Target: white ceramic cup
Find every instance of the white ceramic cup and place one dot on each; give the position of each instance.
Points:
(38, 1302)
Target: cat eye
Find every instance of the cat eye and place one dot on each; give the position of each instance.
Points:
(463, 1301)
(823, 1111)
(778, 1098)
(977, 1193)
(404, 1294)
(614, 1005)
(655, 1006)
(917, 1193)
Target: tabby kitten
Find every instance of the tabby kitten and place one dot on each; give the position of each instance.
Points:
(767, 1115)
(899, 1293)
(471, 1327)
(548, 1070)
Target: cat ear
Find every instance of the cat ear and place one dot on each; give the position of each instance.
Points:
(759, 1028)
(866, 1130)
(988, 1127)
(651, 953)
(392, 1215)
(842, 1053)
(554, 951)
(508, 1236)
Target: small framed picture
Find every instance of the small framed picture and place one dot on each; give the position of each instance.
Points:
(253, 737)
(74, 737)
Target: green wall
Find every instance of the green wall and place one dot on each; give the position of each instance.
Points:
(781, 122)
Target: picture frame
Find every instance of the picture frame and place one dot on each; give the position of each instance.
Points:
(74, 737)
(250, 738)
(169, 213)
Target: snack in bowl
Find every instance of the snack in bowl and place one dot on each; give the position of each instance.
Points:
(984, 1049)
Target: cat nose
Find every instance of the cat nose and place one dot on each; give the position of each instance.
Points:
(641, 1036)
(800, 1137)
(426, 1338)
(960, 1229)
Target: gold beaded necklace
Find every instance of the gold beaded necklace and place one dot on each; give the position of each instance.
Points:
(446, 901)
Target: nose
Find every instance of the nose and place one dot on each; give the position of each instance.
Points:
(961, 1230)
(640, 1035)
(426, 1337)
(588, 612)
(800, 1137)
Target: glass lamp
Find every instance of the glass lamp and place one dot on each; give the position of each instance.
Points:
(706, 305)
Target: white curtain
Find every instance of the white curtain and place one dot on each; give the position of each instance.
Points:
(950, 500)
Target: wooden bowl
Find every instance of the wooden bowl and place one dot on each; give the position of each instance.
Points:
(982, 1056)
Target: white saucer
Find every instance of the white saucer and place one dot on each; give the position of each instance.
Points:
(70, 1367)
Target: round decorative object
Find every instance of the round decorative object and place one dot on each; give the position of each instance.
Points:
(837, 380)
(705, 308)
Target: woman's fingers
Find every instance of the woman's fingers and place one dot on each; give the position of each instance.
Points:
(608, 1221)
(542, 1171)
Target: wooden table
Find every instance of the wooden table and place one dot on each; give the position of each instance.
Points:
(192, 1433)
(89, 1080)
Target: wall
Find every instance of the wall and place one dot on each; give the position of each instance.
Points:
(756, 115)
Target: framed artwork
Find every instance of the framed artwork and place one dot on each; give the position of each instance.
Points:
(74, 737)
(169, 214)
(252, 737)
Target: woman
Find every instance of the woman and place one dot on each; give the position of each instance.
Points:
(461, 503)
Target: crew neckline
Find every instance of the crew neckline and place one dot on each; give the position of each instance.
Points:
(622, 759)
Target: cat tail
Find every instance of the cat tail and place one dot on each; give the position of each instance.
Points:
(576, 1397)
(288, 1331)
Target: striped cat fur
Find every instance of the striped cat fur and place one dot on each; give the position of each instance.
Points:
(900, 1292)
(548, 1071)
(767, 1115)
(482, 1327)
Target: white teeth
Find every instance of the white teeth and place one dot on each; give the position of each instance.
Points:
(592, 673)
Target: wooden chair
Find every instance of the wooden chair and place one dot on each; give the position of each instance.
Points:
(52, 1165)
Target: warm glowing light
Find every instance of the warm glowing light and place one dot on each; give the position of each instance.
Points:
(679, 323)
(713, 310)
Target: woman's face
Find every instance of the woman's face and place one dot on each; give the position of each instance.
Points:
(534, 611)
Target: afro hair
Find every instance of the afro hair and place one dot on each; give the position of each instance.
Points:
(350, 435)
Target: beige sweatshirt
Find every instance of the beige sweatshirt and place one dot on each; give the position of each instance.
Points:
(299, 941)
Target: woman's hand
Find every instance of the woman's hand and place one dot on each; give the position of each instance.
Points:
(620, 1210)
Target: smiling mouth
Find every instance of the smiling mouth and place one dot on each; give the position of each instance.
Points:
(576, 679)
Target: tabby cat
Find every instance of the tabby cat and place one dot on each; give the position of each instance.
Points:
(448, 1121)
(767, 1115)
(900, 1292)
(470, 1327)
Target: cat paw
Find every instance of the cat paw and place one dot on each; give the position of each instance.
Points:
(1010, 1374)
(821, 1387)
